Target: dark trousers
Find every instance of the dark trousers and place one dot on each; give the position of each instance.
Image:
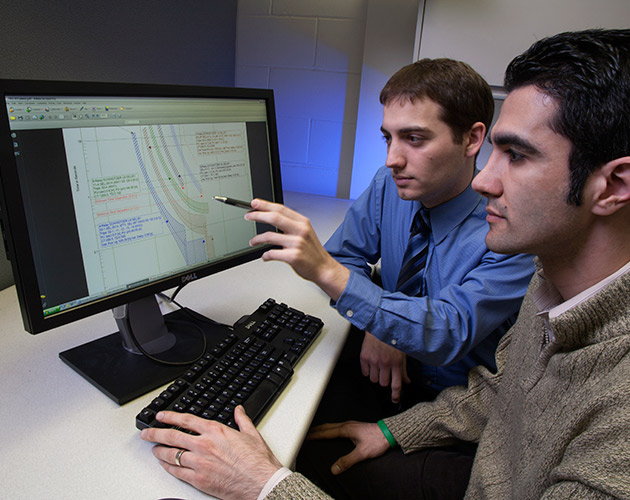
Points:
(431, 473)
(351, 396)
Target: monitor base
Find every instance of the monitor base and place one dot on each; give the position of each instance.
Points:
(124, 376)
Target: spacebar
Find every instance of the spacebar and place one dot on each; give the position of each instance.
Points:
(262, 397)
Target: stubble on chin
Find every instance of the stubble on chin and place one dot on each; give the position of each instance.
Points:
(498, 242)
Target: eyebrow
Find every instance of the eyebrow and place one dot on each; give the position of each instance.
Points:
(407, 130)
(514, 140)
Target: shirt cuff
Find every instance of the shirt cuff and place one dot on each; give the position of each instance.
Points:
(359, 300)
(271, 483)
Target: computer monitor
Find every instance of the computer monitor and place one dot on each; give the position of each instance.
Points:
(107, 199)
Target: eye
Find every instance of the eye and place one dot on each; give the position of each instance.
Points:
(387, 139)
(513, 156)
(415, 139)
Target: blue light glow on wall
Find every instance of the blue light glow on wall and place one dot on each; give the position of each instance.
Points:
(310, 128)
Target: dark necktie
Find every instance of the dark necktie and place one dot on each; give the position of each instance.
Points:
(410, 276)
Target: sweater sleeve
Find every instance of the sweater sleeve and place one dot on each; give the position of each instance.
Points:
(458, 414)
(296, 487)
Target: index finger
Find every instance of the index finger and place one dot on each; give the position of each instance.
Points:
(269, 207)
(287, 222)
(176, 437)
(264, 205)
(186, 421)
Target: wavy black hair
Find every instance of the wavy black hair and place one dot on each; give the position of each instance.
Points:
(587, 73)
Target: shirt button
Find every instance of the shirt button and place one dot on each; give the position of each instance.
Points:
(394, 341)
(349, 313)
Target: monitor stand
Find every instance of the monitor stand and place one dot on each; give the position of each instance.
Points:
(116, 366)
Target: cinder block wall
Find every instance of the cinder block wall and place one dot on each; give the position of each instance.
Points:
(310, 53)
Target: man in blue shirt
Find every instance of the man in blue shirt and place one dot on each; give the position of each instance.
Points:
(435, 117)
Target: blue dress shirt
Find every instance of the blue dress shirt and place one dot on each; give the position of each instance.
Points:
(472, 295)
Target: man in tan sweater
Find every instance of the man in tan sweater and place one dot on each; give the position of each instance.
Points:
(554, 420)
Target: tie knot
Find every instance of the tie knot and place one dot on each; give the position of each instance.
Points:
(421, 222)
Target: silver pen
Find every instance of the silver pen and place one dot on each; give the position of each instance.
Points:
(233, 202)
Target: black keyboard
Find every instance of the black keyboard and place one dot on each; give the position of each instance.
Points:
(251, 366)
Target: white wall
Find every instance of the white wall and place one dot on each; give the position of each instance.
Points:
(310, 53)
(487, 34)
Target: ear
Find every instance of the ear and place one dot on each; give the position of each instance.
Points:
(611, 187)
(474, 139)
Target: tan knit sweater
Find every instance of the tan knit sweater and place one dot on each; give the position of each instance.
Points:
(554, 424)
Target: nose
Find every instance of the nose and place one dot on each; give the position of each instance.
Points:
(488, 181)
(395, 157)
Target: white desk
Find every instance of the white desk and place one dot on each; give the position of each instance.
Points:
(62, 438)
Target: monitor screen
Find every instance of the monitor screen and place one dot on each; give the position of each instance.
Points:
(107, 193)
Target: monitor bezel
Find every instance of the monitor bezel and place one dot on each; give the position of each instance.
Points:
(13, 218)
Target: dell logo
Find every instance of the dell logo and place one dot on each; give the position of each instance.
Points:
(189, 277)
(250, 324)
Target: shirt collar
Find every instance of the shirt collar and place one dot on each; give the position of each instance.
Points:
(549, 301)
(450, 214)
(546, 296)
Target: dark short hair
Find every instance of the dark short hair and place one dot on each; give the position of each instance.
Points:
(587, 73)
(464, 96)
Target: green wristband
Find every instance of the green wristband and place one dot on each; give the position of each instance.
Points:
(387, 434)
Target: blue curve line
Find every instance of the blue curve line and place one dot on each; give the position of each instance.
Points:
(184, 162)
(177, 228)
